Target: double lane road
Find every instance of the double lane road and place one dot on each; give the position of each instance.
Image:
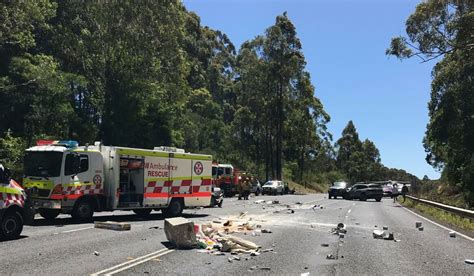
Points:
(300, 242)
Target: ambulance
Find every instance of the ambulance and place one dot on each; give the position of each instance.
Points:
(64, 177)
(15, 210)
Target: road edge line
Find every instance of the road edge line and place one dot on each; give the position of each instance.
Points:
(439, 225)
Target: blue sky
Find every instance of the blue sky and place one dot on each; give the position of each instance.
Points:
(344, 45)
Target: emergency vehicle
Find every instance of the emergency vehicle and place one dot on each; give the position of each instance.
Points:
(226, 177)
(14, 208)
(66, 178)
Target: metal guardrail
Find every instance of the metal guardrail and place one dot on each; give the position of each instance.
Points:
(455, 210)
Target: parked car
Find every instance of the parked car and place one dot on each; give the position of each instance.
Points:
(364, 192)
(337, 189)
(256, 187)
(387, 190)
(273, 187)
(217, 197)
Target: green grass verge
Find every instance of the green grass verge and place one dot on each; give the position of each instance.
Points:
(441, 215)
(308, 189)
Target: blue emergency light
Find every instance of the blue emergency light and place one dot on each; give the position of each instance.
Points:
(70, 144)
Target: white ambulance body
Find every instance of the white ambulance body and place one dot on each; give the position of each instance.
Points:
(64, 178)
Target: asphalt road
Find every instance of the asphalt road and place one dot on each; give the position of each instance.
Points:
(65, 248)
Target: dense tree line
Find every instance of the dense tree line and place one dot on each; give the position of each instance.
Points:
(147, 73)
(443, 30)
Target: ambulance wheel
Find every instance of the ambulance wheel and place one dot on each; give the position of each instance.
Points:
(11, 225)
(49, 214)
(175, 208)
(82, 211)
(142, 212)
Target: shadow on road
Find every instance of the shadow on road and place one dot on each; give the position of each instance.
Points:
(60, 222)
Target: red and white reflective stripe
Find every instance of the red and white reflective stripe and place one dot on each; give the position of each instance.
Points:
(7, 199)
(178, 188)
(84, 189)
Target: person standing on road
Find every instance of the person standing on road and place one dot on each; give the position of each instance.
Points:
(394, 192)
(404, 191)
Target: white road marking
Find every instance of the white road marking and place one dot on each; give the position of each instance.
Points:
(75, 230)
(140, 262)
(437, 224)
(134, 262)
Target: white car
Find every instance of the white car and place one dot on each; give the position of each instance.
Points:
(273, 187)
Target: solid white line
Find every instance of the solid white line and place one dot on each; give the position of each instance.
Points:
(437, 224)
(140, 262)
(75, 230)
(127, 262)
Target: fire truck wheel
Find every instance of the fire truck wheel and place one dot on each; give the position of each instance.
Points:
(11, 225)
(82, 211)
(49, 214)
(142, 212)
(175, 208)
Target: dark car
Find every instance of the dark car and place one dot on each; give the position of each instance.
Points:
(337, 189)
(364, 192)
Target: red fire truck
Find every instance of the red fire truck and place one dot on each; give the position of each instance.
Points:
(226, 177)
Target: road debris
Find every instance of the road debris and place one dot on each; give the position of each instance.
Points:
(452, 234)
(317, 206)
(242, 214)
(331, 257)
(265, 268)
(228, 223)
(383, 234)
(421, 228)
(340, 229)
(96, 253)
(180, 232)
(385, 227)
(259, 201)
(112, 225)
(325, 245)
(266, 231)
(290, 211)
(155, 227)
(418, 224)
(468, 261)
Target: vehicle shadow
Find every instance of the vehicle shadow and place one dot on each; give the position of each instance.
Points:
(60, 222)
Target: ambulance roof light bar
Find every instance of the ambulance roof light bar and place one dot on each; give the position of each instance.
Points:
(70, 144)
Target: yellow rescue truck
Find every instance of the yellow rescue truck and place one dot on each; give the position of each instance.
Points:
(66, 178)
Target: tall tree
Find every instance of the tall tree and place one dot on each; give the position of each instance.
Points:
(286, 61)
(34, 92)
(443, 29)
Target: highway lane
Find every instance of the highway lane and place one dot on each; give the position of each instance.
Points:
(63, 247)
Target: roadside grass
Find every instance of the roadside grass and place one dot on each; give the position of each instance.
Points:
(441, 215)
(306, 189)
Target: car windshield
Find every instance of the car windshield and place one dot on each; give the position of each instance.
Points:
(271, 183)
(339, 184)
(43, 163)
